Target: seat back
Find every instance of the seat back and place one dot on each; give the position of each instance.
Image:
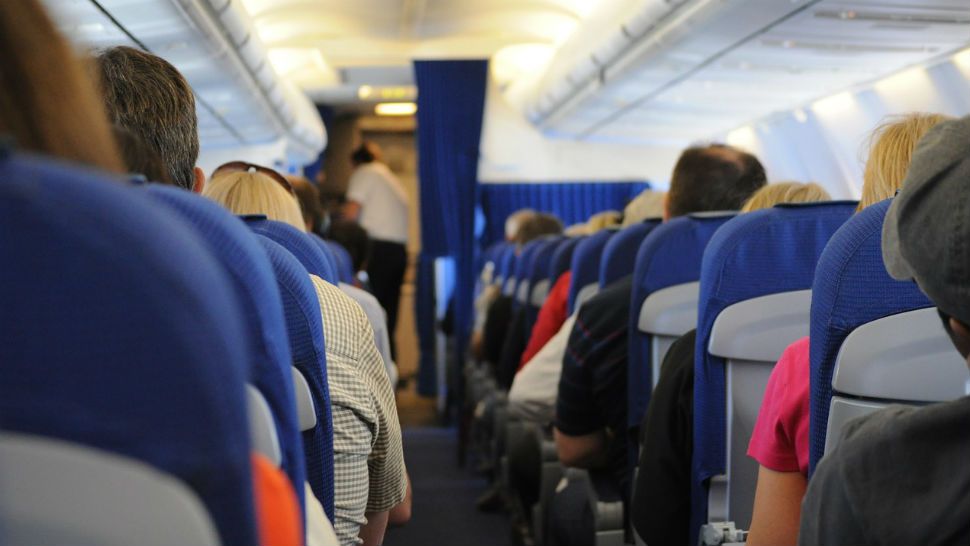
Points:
(344, 264)
(254, 285)
(900, 359)
(620, 253)
(585, 266)
(562, 258)
(56, 492)
(305, 331)
(664, 300)
(506, 269)
(120, 332)
(523, 273)
(771, 253)
(539, 284)
(851, 288)
(312, 255)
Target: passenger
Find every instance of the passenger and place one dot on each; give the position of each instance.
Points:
(308, 196)
(649, 204)
(779, 441)
(141, 160)
(899, 476)
(148, 97)
(355, 239)
(591, 407)
(661, 497)
(376, 199)
(48, 104)
(369, 471)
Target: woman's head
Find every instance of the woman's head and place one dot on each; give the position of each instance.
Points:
(891, 146)
(785, 192)
(247, 192)
(48, 101)
(309, 198)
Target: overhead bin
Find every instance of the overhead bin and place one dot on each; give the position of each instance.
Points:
(241, 100)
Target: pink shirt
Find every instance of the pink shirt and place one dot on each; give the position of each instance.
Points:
(780, 438)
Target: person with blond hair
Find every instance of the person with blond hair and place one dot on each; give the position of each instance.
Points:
(369, 473)
(785, 192)
(779, 441)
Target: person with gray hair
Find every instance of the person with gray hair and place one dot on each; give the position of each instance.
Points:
(899, 476)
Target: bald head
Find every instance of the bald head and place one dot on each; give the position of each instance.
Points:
(714, 177)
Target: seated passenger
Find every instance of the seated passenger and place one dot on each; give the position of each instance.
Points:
(146, 96)
(899, 476)
(369, 472)
(779, 441)
(661, 495)
(591, 406)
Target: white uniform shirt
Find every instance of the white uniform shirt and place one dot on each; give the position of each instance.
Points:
(383, 202)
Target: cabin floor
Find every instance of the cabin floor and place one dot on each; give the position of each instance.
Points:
(444, 494)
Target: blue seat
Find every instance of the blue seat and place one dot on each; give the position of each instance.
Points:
(523, 273)
(120, 332)
(313, 256)
(344, 264)
(585, 266)
(539, 283)
(506, 269)
(669, 257)
(619, 254)
(252, 280)
(305, 329)
(562, 258)
(762, 253)
(851, 288)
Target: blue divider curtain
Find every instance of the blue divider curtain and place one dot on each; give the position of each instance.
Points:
(572, 202)
(451, 99)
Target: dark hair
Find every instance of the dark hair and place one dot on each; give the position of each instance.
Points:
(354, 238)
(715, 177)
(536, 226)
(146, 95)
(139, 158)
(309, 197)
(48, 101)
(367, 152)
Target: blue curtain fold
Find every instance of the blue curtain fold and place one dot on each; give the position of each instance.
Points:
(451, 99)
(571, 201)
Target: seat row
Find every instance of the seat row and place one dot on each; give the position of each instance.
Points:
(751, 285)
(152, 342)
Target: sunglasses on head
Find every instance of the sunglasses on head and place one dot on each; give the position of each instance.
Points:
(245, 167)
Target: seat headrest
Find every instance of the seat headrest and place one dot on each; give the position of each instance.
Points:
(312, 256)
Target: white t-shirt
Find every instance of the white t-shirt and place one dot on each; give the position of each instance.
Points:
(383, 202)
(534, 389)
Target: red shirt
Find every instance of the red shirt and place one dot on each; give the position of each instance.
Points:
(278, 511)
(552, 315)
(780, 438)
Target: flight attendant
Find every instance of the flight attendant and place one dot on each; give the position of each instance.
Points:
(377, 200)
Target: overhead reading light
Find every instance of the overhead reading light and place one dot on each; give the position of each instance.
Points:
(395, 109)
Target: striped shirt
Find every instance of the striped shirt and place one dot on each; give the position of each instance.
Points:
(369, 473)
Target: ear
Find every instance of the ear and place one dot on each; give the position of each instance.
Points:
(199, 184)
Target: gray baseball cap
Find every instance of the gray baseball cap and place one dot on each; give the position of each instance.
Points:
(926, 233)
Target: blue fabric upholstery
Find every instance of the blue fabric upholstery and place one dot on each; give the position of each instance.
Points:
(304, 327)
(562, 257)
(851, 288)
(312, 255)
(523, 268)
(506, 263)
(763, 252)
(571, 201)
(344, 264)
(669, 255)
(539, 272)
(254, 285)
(585, 264)
(620, 253)
(120, 331)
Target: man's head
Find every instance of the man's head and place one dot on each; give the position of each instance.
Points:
(147, 96)
(367, 152)
(926, 233)
(537, 225)
(714, 177)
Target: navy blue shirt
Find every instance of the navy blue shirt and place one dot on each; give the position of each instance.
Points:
(592, 388)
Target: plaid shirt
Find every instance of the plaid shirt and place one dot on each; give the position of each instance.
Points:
(369, 474)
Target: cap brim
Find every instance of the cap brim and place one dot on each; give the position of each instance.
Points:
(896, 265)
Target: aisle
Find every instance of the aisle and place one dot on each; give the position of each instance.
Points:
(444, 496)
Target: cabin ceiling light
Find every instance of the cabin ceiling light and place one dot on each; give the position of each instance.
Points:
(395, 109)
